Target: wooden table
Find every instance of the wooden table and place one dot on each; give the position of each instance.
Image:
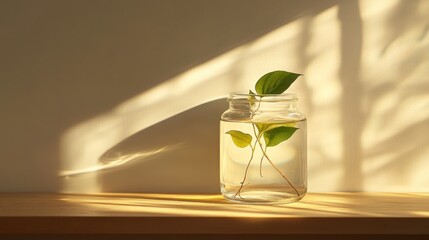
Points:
(106, 216)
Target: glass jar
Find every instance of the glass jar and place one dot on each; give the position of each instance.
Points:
(263, 149)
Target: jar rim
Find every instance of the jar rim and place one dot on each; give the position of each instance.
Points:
(289, 97)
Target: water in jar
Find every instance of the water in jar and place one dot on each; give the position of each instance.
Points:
(260, 174)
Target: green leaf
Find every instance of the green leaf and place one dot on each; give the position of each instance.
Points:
(275, 82)
(240, 139)
(262, 127)
(277, 135)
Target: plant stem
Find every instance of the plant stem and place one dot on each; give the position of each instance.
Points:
(260, 163)
(251, 157)
(269, 160)
(258, 136)
(264, 151)
(247, 169)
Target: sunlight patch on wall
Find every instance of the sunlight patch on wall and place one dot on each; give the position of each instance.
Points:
(392, 74)
(395, 69)
(82, 145)
(113, 163)
(321, 75)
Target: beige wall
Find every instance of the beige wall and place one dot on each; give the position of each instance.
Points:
(133, 90)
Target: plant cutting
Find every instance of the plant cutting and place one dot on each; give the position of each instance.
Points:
(268, 127)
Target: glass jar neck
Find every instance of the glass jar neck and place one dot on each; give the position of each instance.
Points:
(264, 103)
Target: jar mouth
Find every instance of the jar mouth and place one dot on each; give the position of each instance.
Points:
(243, 96)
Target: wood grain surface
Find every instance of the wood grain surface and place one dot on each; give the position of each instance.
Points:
(317, 213)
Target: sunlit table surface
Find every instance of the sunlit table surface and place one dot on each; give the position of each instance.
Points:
(317, 213)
